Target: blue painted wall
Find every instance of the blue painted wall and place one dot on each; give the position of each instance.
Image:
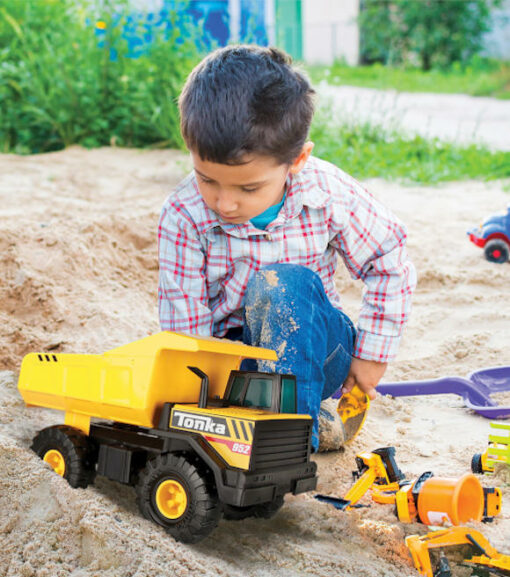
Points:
(210, 16)
(253, 23)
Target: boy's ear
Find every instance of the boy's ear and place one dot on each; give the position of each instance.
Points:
(304, 155)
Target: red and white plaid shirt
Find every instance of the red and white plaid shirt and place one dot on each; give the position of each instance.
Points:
(205, 264)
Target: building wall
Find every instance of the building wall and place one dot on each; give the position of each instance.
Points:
(330, 31)
(497, 41)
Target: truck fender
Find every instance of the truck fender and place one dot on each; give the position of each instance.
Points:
(195, 445)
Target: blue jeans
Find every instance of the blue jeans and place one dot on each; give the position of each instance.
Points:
(287, 309)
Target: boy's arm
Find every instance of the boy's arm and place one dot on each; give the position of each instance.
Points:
(372, 243)
(182, 292)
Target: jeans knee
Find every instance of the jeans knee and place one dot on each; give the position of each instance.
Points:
(280, 280)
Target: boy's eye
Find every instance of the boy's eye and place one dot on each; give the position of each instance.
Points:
(206, 180)
(248, 189)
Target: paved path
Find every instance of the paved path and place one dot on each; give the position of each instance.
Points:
(453, 117)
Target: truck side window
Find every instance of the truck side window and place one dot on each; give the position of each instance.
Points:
(236, 390)
(288, 400)
(259, 393)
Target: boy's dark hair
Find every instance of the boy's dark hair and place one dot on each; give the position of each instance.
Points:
(246, 99)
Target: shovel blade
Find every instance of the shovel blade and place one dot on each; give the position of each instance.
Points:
(337, 502)
(352, 409)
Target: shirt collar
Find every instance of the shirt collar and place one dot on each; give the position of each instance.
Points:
(304, 190)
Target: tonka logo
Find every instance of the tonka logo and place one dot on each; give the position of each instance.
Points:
(196, 422)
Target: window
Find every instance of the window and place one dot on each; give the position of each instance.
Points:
(288, 400)
(259, 393)
(236, 390)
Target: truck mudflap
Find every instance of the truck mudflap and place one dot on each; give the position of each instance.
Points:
(243, 488)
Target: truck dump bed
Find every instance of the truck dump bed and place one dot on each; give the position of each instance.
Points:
(131, 383)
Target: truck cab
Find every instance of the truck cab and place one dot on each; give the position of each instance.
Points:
(269, 391)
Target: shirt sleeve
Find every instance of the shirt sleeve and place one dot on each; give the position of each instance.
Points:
(372, 244)
(182, 293)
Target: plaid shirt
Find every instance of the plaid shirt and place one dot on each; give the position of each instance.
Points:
(205, 264)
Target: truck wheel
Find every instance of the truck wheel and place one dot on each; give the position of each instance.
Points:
(476, 464)
(268, 510)
(497, 250)
(174, 493)
(263, 511)
(233, 513)
(69, 453)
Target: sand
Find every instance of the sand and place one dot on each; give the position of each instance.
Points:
(79, 274)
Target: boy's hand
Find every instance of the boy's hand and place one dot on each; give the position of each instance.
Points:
(366, 375)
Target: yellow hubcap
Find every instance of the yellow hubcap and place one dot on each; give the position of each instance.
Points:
(171, 499)
(56, 461)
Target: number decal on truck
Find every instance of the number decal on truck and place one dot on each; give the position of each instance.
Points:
(241, 448)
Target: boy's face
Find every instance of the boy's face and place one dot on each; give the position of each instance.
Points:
(238, 193)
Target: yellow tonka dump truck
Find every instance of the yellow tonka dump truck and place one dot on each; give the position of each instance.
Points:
(173, 416)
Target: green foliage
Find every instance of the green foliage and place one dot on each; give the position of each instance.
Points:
(59, 84)
(435, 33)
(367, 151)
(478, 77)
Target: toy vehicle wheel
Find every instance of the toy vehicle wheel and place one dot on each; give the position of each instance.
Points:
(268, 510)
(263, 511)
(476, 464)
(497, 250)
(69, 452)
(233, 513)
(174, 493)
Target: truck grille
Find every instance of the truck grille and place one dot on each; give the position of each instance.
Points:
(280, 443)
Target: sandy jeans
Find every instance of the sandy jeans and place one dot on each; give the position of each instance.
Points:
(287, 309)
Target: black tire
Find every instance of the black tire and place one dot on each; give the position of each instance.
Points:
(201, 512)
(476, 464)
(497, 250)
(79, 454)
(233, 513)
(262, 511)
(268, 510)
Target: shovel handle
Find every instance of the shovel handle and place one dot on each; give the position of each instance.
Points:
(443, 386)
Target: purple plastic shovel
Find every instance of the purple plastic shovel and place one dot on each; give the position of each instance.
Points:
(476, 390)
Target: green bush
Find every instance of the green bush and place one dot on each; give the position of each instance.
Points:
(60, 84)
(435, 33)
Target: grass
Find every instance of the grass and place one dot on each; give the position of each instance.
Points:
(481, 77)
(368, 151)
(62, 84)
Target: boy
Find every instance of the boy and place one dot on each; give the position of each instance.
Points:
(248, 242)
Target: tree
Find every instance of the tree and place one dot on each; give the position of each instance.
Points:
(432, 32)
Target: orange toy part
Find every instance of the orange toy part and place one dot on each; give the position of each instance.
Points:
(454, 501)
(493, 500)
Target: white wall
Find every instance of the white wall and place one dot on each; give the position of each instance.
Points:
(330, 31)
(497, 41)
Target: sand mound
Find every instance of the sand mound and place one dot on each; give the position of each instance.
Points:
(78, 256)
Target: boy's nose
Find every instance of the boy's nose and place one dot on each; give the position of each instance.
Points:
(226, 204)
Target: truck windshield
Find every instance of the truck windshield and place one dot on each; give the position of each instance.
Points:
(259, 393)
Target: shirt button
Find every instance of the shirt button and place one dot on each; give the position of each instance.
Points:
(268, 236)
